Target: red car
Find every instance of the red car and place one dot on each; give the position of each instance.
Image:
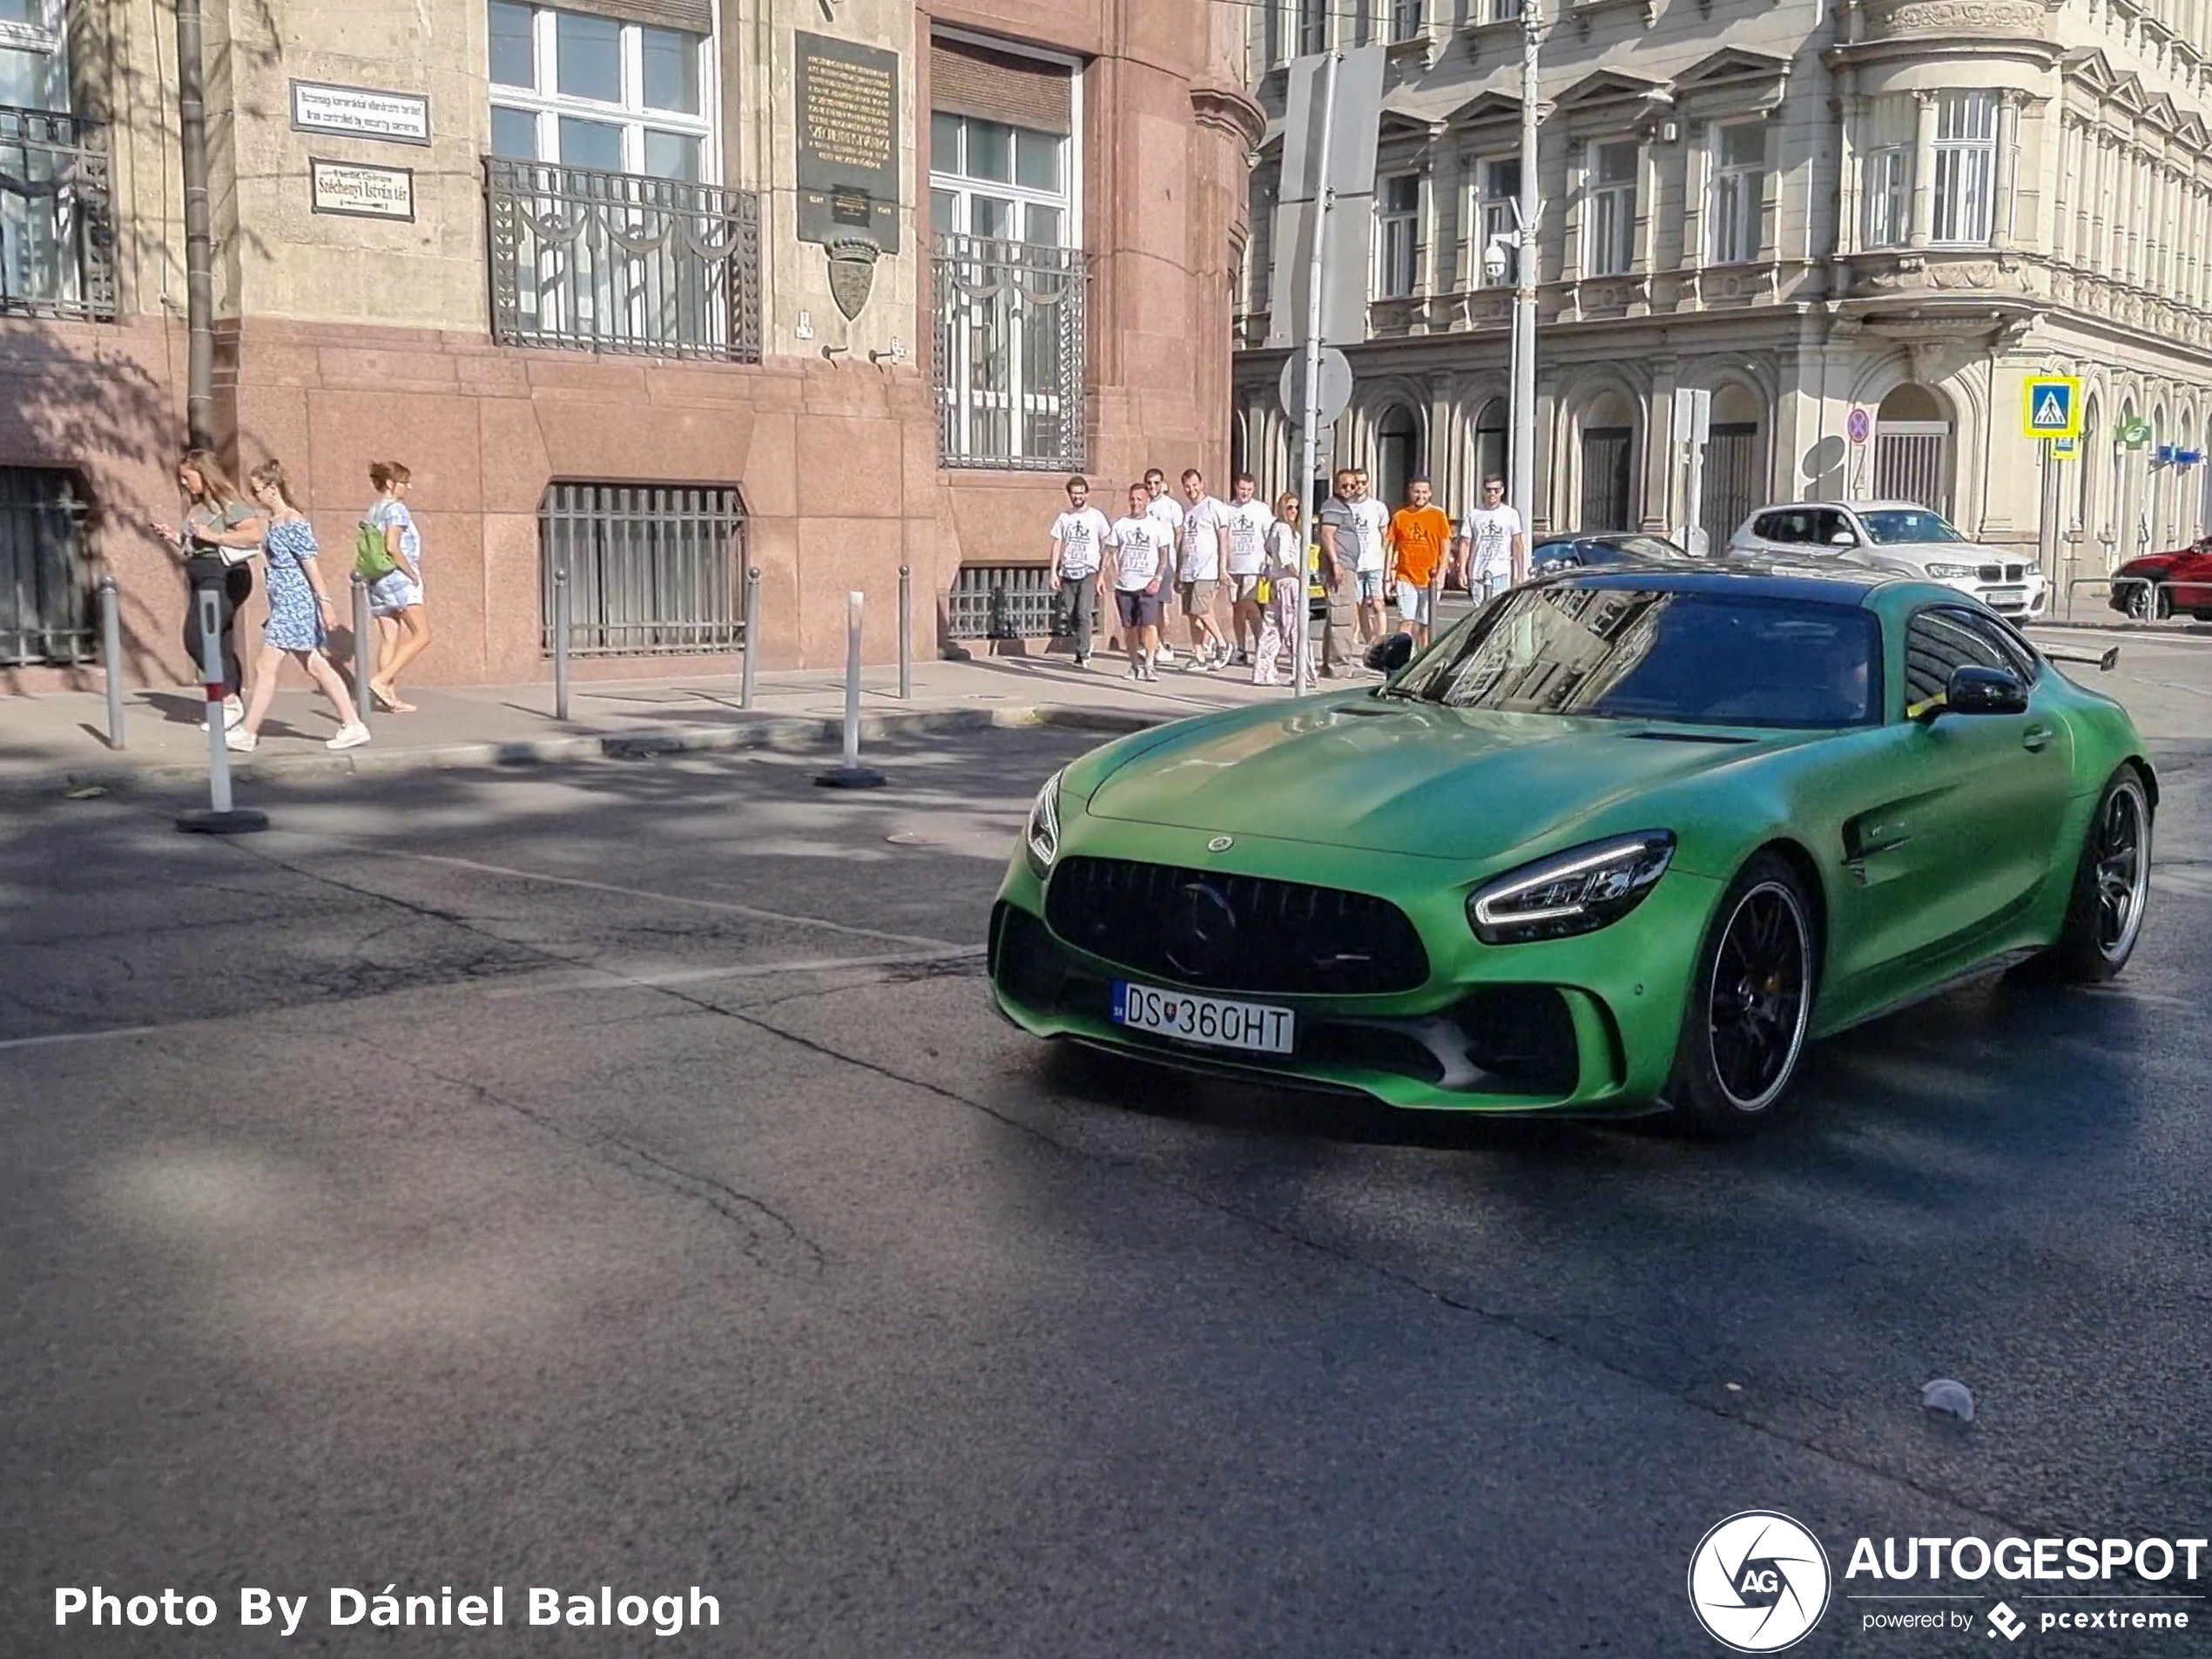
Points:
(2188, 569)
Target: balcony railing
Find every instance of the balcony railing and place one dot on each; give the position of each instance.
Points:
(584, 260)
(56, 237)
(1010, 358)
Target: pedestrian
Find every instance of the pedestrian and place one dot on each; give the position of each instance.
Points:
(1141, 546)
(300, 613)
(1339, 533)
(1079, 538)
(402, 624)
(1493, 544)
(1246, 561)
(1421, 540)
(1169, 511)
(222, 532)
(1284, 581)
(1198, 569)
(1371, 519)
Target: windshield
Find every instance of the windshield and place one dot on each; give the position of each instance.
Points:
(1633, 654)
(1890, 525)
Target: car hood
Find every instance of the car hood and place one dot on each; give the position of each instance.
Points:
(1918, 555)
(1400, 776)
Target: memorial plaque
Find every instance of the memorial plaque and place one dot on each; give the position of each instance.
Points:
(361, 192)
(848, 141)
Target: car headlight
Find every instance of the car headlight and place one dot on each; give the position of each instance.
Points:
(1574, 892)
(1041, 835)
(1949, 572)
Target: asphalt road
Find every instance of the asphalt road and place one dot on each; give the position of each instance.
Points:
(615, 1176)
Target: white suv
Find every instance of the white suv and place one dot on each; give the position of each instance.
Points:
(1897, 535)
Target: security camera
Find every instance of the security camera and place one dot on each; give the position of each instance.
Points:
(1493, 261)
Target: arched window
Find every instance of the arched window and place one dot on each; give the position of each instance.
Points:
(1490, 447)
(2084, 505)
(1912, 447)
(1397, 454)
(1735, 476)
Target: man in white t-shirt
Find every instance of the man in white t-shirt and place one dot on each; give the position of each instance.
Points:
(1079, 540)
(1370, 519)
(1141, 545)
(1248, 521)
(1164, 507)
(1493, 544)
(1206, 526)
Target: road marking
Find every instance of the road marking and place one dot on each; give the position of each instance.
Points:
(600, 979)
(82, 1037)
(728, 905)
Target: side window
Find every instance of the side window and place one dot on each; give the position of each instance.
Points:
(1827, 524)
(1795, 527)
(1942, 638)
(1767, 526)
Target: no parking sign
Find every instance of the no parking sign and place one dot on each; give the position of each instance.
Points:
(1857, 425)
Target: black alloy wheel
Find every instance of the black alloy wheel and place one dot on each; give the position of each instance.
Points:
(2104, 913)
(1751, 1004)
(2147, 603)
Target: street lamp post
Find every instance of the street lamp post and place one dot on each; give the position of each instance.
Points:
(1522, 466)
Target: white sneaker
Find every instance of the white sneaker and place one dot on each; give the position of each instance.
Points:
(1167, 655)
(349, 736)
(233, 711)
(243, 741)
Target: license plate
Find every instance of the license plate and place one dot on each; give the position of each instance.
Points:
(2002, 598)
(1213, 1021)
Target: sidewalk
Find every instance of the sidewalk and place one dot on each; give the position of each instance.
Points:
(56, 743)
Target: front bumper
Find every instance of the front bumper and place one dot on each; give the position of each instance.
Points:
(2029, 596)
(1583, 1025)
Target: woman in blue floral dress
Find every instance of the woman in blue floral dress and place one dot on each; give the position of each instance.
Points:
(299, 608)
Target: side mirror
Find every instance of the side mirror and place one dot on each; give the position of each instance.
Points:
(1842, 538)
(1975, 690)
(1392, 654)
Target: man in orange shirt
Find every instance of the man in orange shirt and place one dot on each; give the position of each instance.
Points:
(1419, 533)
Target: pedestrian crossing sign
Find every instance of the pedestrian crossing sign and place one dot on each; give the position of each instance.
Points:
(2052, 406)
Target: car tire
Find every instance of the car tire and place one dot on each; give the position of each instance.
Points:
(2148, 603)
(2104, 909)
(1751, 1003)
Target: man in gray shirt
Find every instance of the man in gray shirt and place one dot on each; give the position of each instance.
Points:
(1339, 536)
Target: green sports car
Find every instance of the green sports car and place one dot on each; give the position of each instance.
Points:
(1622, 839)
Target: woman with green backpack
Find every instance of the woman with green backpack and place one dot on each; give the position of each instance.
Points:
(388, 553)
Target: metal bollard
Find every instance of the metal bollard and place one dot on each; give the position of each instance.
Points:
(906, 633)
(364, 635)
(752, 633)
(111, 655)
(561, 644)
(220, 818)
(852, 774)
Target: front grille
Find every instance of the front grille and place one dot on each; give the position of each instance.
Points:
(1239, 933)
(2013, 572)
(1990, 573)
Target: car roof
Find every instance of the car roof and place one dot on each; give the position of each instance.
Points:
(1813, 581)
(1853, 506)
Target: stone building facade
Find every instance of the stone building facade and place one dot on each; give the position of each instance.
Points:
(1903, 207)
(586, 268)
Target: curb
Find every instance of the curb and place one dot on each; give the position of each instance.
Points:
(782, 732)
(2180, 630)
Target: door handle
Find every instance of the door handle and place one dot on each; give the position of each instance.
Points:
(2037, 737)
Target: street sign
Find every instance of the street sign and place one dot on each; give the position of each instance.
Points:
(1693, 415)
(2065, 448)
(1858, 426)
(2051, 407)
(1336, 386)
(2134, 433)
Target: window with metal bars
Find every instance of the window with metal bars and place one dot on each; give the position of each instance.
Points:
(44, 608)
(653, 569)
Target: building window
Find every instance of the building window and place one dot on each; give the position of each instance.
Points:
(1965, 166)
(652, 570)
(1887, 183)
(43, 617)
(1405, 19)
(1009, 284)
(34, 63)
(1612, 209)
(1398, 208)
(1501, 194)
(1739, 193)
(989, 179)
(1312, 27)
(1500, 10)
(589, 92)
